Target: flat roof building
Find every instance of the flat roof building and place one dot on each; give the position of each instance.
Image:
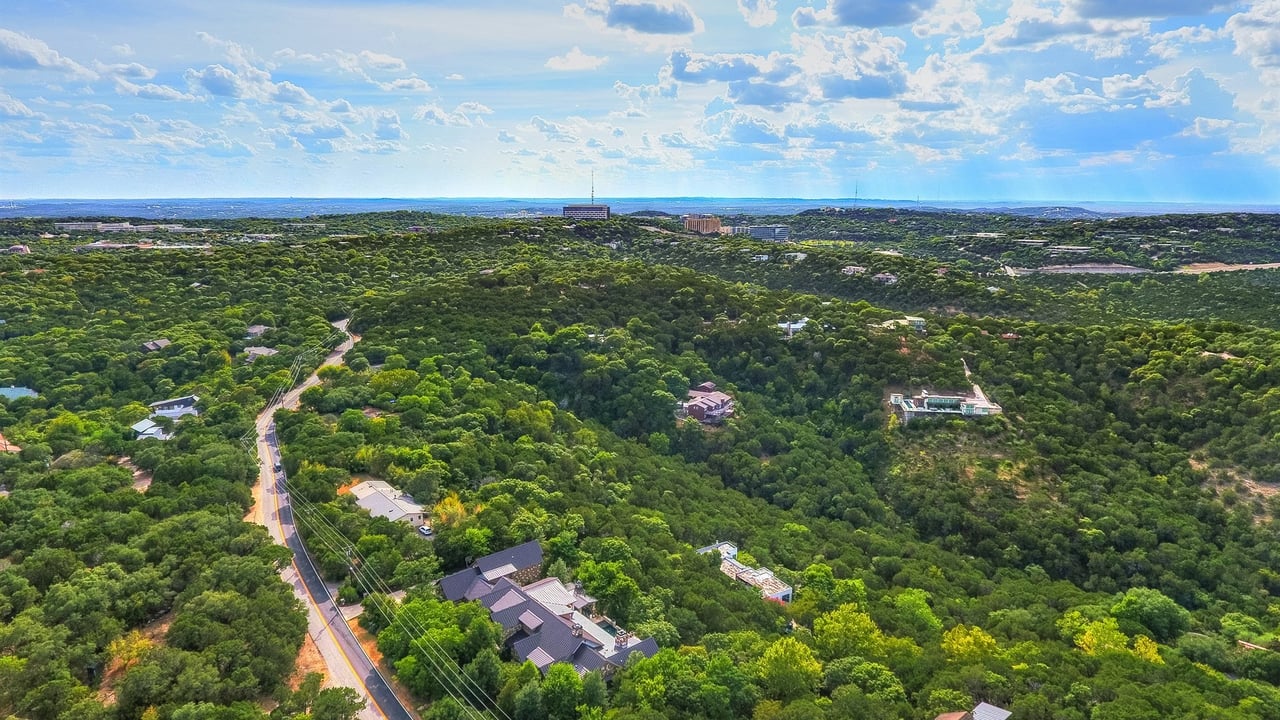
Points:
(702, 224)
(971, 404)
(592, 211)
(770, 587)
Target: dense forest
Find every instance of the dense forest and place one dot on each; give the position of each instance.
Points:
(1106, 548)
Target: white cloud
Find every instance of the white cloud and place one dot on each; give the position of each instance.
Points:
(1169, 45)
(382, 61)
(152, 91)
(648, 22)
(23, 52)
(506, 137)
(575, 59)
(553, 130)
(12, 107)
(1256, 33)
(245, 79)
(462, 116)
(759, 13)
(1204, 127)
(123, 50)
(863, 13)
(386, 126)
(131, 71)
(952, 18)
(409, 84)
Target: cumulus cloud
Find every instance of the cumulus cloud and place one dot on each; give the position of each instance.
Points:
(759, 13)
(130, 71)
(409, 84)
(506, 137)
(23, 52)
(951, 18)
(863, 13)
(382, 61)
(244, 79)
(1169, 45)
(737, 127)
(464, 115)
(858, 64)
(152, 91)
(649, 17)
(1257, 34)
(386, 126)
(822, 130)
(553, 130)
(11, 107)
(575, 59)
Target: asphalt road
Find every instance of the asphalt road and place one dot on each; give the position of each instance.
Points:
(347, 663)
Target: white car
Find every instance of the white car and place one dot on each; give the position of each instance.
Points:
(425, 531)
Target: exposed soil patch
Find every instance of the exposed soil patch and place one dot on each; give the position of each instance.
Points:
(1195, 268)
(111, 675)
(141, 478)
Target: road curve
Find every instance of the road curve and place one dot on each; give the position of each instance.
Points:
(346, 661)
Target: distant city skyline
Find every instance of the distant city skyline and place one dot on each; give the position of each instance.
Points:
(947, 101)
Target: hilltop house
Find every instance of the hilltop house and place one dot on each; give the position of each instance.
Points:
(253, 352)
(916, 323)
(885, 278)
(176, 407)
(382, 500)
(544, 621)
(255, 331)
(707, 405)
(971, 404)
(763, 579)
(984, 711)
(148, 428)
(151, 346)
(173, 408)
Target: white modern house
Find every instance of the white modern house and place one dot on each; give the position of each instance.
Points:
(382, 500)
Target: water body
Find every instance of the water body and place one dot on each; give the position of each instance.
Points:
(229, 208)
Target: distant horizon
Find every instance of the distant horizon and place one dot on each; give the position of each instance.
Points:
(935, 202)
(195, 208)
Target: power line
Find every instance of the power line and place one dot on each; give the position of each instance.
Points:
(449, 682)
(371, 576)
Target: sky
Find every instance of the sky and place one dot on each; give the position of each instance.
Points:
(937, 100)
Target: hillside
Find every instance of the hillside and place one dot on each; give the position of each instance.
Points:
(1096, 551)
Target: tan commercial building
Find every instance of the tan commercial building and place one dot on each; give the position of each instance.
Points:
(702, 224)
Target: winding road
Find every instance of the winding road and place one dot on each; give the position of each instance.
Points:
(347, 663)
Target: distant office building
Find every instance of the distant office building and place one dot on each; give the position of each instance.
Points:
(591, 211)
(702, 224)
(776, 233)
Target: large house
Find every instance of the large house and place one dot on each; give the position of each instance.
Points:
(926, 404)
(544, 621)
(707, 405)
(984, 711)
(176, 407)
(151, 346)
(763, 579)
(173, 408)
(382, 500)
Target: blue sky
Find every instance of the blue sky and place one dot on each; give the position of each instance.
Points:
(1127, 100)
